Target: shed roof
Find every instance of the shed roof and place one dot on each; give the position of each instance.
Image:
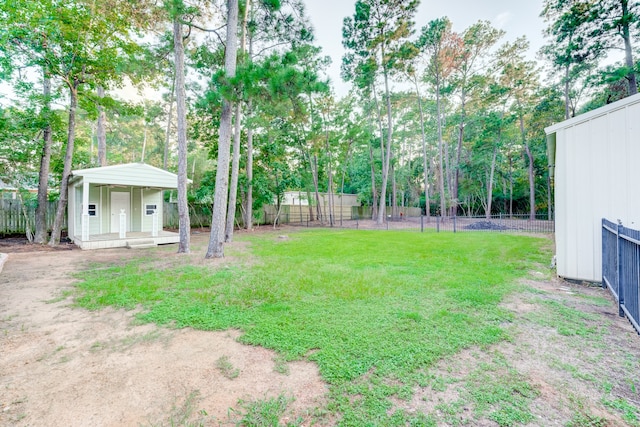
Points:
(593, 114)
(130, 174)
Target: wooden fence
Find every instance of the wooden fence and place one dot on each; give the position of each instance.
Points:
(199, 215)
(13, 220)
(365, 212)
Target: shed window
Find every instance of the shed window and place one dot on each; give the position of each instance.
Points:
(150, 209)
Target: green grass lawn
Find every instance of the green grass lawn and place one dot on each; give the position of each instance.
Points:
(373, 309)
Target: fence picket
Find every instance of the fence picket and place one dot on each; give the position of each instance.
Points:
(12, 220)
(621, 268)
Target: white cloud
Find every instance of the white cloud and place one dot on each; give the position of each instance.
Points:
(502, 19)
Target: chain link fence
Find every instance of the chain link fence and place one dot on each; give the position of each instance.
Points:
(496, 223)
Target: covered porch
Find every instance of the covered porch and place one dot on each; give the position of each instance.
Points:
(119, 206)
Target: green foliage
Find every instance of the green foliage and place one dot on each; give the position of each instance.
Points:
(371, 306)
(582, 34)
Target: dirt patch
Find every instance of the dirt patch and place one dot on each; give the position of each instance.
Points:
(67, 366)
(577, 374)
(17, 244)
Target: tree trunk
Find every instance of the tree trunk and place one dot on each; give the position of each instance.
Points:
(424, 151)
(567, 114)
(307, 158)
(215, 248)
(235, 171)
(456, 178)
(27, 218)
(144, 145)
(490, 183)
(381, 196)
(181, 116)
(330, 179)
(68, 162)
(628, 50)
(165, 159)
(443, 206)
(309, 205)
(394, 192)
(249, 212)
(387, 154)
(278, 206)
(344, 173)
(235, 162)
(374, 193)
(380, 128)
(532, 187)
(45, 160)
(549, 200)
(510, 187)
(102, 131)
(314, 171)
(448, 176)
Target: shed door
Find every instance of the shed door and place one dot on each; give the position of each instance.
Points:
(119, 201)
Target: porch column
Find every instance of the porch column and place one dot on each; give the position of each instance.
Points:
(123, 224)
(154, 227)
(85, 211)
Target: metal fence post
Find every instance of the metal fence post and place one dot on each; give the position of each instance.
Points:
(454, 224)
(619, 273)
(437, 224)
(605, 249)
(422, 223)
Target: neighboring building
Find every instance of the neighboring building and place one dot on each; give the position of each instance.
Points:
(597, 175)
(297, 204)
(28, 182)
(120, 205)
(7, 192)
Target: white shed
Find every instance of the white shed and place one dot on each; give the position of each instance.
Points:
(597, 175)
(120, 205)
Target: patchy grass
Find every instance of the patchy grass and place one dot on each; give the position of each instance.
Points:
(265, 413)
(280, 365)
(227, 369)
(630, 413)
(130, 341)
(63, 295)
(183, 413)
(372, 309)
(501, 393)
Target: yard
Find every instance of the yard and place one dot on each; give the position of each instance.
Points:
(313, 327)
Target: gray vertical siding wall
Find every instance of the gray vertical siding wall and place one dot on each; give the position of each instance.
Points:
(596, 176)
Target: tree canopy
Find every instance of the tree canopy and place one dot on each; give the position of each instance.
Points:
(235, 96)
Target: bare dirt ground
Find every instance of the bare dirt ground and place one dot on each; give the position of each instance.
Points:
(64, 366)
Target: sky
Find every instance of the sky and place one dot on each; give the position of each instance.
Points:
(516, 17)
